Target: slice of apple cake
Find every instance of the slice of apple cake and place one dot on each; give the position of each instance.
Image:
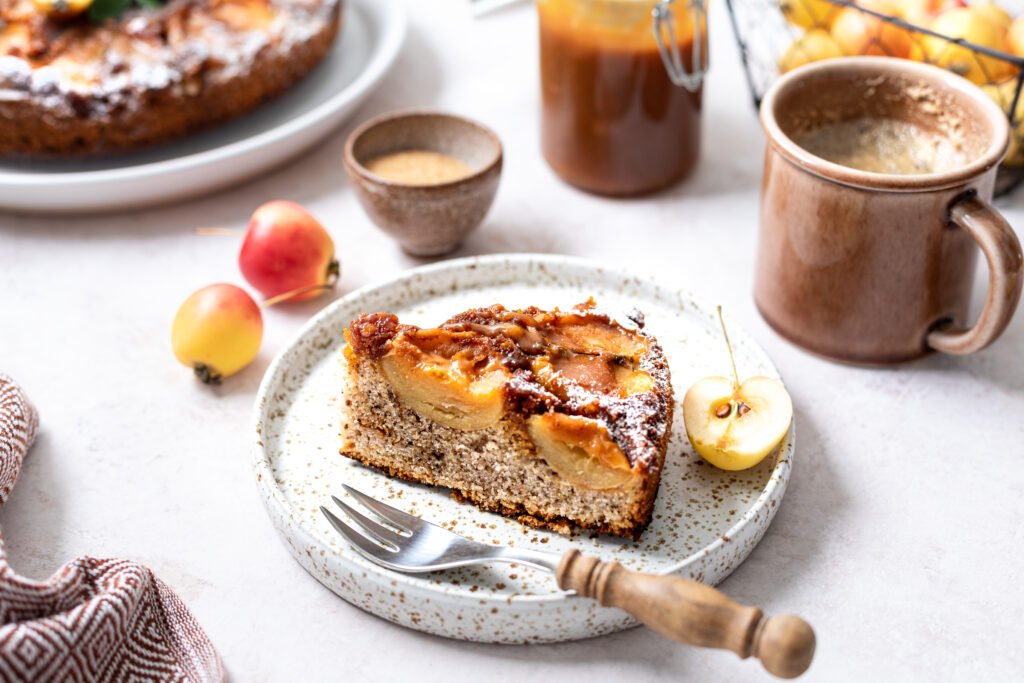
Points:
(557, 418)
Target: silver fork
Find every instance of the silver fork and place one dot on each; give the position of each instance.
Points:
(683, 610)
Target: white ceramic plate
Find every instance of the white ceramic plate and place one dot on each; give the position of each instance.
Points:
(706, 521)
(371, 36)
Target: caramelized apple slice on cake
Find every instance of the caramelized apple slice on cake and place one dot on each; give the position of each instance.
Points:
(441, 389)
(581, 451)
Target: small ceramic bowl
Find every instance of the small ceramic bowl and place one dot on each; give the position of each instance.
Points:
(426, 220)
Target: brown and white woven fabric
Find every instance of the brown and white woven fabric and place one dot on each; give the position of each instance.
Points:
(95, 619)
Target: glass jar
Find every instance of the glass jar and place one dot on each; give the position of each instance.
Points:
(621, 91)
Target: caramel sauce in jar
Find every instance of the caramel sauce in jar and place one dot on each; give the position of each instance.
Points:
(613, 122)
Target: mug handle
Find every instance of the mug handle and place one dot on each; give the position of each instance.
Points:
(1002, 250)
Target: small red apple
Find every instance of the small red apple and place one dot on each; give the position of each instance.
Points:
(287, 250)
(922, 12)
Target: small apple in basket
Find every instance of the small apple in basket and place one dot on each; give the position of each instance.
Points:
(1002, 94)
(1015, 37)
(286, 254)
(859, 33)
(923, 12)
(809, 13)
(815, 45)
(994, 13)
(974, 25)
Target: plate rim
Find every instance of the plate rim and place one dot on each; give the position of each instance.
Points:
(778, 477)
(391, 19)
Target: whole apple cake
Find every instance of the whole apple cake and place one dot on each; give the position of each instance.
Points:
(557, 418)
(73, 84)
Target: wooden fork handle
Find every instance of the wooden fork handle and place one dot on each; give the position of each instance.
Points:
(692, 613)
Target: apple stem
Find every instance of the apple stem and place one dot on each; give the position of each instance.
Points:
(332, 279)
(728, 345)
(220, 232)
(267, 303)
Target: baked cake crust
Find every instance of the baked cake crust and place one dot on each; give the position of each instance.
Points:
(498, 465)
(72, 89)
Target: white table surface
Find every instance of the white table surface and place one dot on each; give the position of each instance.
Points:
(900, 538)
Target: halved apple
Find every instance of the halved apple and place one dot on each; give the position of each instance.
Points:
(436, 389)
(580, 450)
(736, 427)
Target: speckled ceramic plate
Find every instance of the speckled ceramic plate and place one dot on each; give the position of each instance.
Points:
(706, 521)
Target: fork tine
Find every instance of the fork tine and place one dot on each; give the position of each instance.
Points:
(362, 543)
(375, 529)
(404, 521)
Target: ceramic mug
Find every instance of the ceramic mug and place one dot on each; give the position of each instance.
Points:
(877, 268)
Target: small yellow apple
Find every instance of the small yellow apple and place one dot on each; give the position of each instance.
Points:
(809, 13)
(923, 12)
(994, 13)
(217, 331)
(1002, 94)
(973, 25)
(1015, 37)
(858, 33)
(813, 46)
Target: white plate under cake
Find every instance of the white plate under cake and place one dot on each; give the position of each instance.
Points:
(80, 86)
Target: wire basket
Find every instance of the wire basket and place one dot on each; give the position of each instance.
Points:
(775, 36)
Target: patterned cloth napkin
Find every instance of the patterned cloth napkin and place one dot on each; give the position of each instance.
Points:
(93, 620)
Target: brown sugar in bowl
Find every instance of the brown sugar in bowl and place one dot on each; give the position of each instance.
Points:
(427, 218)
